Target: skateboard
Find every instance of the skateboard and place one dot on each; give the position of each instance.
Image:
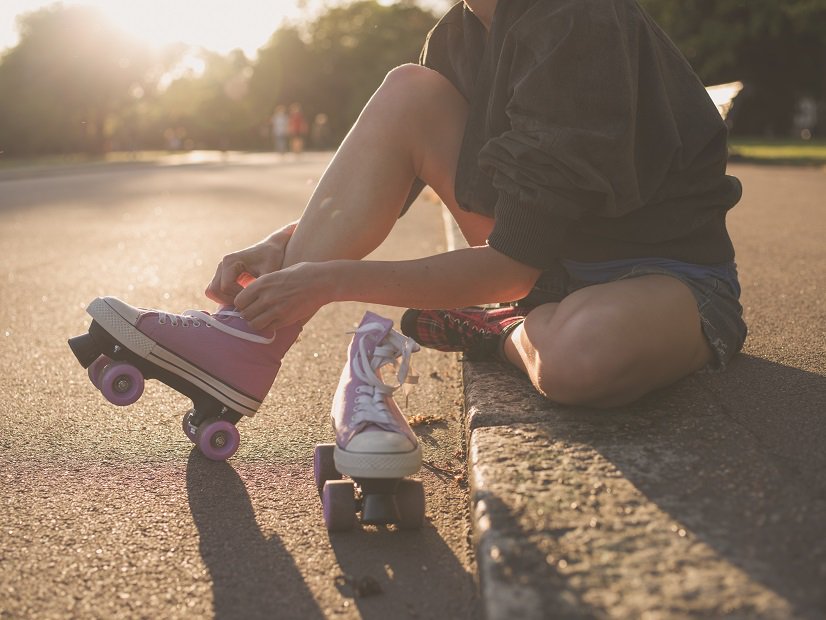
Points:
(369, 501)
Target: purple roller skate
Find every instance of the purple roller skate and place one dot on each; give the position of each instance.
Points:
(220, 362)
(375, 445)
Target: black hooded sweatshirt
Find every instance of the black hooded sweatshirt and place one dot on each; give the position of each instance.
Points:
(589, 136)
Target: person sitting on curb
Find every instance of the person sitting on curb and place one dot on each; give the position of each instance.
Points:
(585, 165)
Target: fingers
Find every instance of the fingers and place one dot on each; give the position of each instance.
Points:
(266, 304)
(257, 308)
(224, 286)
(229, 278)
(213, 290)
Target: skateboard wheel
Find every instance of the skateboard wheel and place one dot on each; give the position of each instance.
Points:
(121, 383)
(411, 505)
(217, 439)
(188, 429)
(96, 369)
(339, 502)
(324, 466)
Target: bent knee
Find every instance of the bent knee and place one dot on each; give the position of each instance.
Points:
(418, 86)
(574, 369)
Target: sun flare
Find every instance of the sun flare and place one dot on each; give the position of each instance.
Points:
(217, 25)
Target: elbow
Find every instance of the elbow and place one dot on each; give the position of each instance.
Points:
(521, 287)
(519, 282)
(516, 278)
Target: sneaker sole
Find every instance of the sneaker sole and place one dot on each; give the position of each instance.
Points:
(141, 345)
(378, 464)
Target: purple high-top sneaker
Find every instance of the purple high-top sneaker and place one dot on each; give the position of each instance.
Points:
(373, 438)
(219, 354)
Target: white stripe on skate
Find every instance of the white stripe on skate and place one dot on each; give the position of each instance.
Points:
(141, 345)
(167, 359)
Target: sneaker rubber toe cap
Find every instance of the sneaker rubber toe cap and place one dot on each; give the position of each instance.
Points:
(377, 440)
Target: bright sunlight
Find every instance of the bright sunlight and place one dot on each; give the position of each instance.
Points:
(217, 25)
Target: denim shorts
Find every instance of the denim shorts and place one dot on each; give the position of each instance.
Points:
(715, 288)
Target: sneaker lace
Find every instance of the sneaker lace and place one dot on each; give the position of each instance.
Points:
(196, 318)
(371, 401)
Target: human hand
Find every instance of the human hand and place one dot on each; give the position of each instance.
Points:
(264, 257)
(284, 297)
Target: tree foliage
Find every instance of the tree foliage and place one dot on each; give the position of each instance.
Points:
(70, 72)
(778, 49)
(75, 83)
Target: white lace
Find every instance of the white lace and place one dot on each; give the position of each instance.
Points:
(370, 403)
(196, 318)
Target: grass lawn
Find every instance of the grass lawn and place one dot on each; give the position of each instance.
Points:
(794, 152)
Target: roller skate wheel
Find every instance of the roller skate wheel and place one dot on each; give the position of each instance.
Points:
(217, 439)
(338, 498)
(121, 383)
(324, 467)
(187, 427)
(411, 504)
(96, 369)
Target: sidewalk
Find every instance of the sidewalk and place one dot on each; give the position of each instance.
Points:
(707, 499)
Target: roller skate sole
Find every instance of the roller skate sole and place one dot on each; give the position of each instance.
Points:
(370, 496)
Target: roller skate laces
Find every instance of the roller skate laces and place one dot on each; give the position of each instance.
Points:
(199, 318)
(372, 397)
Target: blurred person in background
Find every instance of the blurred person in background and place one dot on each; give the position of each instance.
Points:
(297, 128)
(280, 128)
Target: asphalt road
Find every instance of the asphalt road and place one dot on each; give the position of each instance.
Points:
(109, 512)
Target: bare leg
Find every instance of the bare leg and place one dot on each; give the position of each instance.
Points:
(609, 344)
(411, 127)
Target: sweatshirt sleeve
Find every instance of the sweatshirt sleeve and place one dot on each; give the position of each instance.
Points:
(570, 149)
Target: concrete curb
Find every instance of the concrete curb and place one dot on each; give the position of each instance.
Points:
(629, 513)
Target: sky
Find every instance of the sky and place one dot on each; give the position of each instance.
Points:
(218, 25)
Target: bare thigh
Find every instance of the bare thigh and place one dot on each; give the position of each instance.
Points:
(411, 127)
(609, 344)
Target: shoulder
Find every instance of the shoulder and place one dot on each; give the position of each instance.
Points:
(454, 46)
(450, 23)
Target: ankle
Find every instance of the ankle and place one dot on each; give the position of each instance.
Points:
(508, 351)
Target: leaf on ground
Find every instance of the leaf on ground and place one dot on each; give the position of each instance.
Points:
(423, 419)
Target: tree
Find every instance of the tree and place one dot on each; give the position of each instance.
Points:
(75, 83)
(778, 49)
(334, 63)
(63, 82)
(355, 46)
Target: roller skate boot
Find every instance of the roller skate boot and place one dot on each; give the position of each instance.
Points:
(223, 365)
(375, 446)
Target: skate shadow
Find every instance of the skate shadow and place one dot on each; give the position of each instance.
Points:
(252, 576)
(392, 574)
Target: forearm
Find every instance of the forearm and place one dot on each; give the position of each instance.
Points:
(454, 279)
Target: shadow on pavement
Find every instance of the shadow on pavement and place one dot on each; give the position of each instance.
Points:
(737, 458)
(401, 582)
(732, 464)
(252, 576)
